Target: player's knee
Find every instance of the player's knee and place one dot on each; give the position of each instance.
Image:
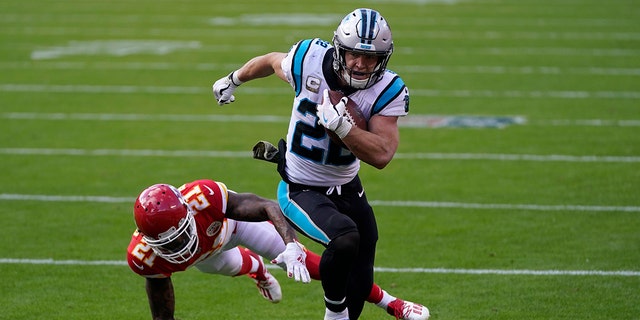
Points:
(346, 244)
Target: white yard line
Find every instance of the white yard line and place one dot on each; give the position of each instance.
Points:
(271, 26)
(126, 153)
(142, 117)
(503, 206)
(518, 157)
(247, 155)
(519, 272)
(408, 204)
(404, 69)
(413, 120)
(462, 93)
(54, 18)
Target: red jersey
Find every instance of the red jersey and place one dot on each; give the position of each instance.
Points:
(208, 199)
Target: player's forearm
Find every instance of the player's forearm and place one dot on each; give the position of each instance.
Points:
(250, 207)
(161, 298)
(376, 146)
(369, 148)
(260, 67)
(283, 227)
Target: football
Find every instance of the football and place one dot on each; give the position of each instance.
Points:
(353, 114)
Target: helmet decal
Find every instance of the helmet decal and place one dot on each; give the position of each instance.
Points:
(368, 24)
(363, 32)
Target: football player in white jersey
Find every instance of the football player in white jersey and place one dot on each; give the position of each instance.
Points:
(320, 193)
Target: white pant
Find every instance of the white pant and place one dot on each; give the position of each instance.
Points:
(260, 237)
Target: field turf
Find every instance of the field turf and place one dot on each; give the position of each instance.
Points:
(515, 193)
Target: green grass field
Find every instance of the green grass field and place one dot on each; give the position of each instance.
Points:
(539, 219)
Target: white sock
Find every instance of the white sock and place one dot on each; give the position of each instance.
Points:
(331, 315)
(386, 299)
(255, 265)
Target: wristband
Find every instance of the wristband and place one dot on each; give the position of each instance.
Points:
(343, 128)
(234, 79)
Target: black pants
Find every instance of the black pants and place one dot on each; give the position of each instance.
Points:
(342, 220)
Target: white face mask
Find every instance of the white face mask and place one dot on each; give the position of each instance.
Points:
(177, 245)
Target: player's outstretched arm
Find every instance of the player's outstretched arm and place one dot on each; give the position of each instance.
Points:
(262, 66)
(258, 67)
(250, 207)
(161, 298)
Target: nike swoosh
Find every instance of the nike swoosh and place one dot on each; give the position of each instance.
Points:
(361, 193)
(210, 191)
(139, 266)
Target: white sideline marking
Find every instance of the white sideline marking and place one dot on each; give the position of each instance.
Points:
(117, 48)
(622, 273)
(551, 70)
(302, 20)
(626, 273)
(53, 198)
(503, 206)
(414, 204)
(528, 70)
(409, 121)
(589, 122)
(124, 152)
(496, 35)
(415, 121)
(124, 89)
(64, 262)
(248, 155)
(143, 117)
(522, 51)
(276, 19)
(121, 19)
(516, 157)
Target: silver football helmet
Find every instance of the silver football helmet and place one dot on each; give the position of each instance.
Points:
(363, 31)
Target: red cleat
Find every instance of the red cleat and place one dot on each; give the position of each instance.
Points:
(407, 310)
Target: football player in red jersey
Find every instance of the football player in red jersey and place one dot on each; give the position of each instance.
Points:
(203, 224)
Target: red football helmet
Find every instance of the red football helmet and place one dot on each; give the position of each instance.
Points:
(167, 223)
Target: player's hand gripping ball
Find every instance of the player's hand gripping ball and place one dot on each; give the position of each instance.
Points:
(351, 113)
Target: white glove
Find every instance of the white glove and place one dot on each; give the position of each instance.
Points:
(332, 116)
(223, 89)
(294, 257)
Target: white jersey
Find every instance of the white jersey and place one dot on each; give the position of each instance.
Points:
(311, 157)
